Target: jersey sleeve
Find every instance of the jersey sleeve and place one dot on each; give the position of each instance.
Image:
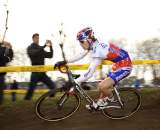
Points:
(77, 57)
(95, 62)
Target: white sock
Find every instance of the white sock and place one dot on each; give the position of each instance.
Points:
(95, 105)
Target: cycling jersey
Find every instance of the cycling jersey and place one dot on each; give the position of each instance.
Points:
(122, 64)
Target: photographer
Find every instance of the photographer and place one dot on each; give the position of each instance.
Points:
(6, 55)
(37, 55)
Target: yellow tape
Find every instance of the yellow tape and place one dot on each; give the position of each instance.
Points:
(82, 67)
(136, 62)
(23, 91)
(42, 68)
(105, 62)
(140, 62)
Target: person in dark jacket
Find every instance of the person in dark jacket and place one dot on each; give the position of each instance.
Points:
(6, 55)
(137, 84)
(37, 55)
(14, 86)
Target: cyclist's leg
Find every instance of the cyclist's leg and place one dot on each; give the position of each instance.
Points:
(106, 86)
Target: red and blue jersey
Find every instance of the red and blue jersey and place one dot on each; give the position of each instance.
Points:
(111, 52)
(122, 64)
(119, 57)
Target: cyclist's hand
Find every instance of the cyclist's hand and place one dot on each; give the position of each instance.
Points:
(59, 63)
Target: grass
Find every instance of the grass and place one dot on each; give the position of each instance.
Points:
(146, 93)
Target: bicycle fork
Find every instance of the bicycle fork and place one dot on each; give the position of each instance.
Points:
(65, 96)
(62, 100)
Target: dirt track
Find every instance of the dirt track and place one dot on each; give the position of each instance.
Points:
(23, 118)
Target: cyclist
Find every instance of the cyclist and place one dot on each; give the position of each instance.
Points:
(121, 67)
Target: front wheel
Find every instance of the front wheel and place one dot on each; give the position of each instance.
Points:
(57, 108)
(131, 101)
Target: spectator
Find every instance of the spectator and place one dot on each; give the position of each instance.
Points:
(137, 84)
(6, 55)
(37, 55)
(14, 86)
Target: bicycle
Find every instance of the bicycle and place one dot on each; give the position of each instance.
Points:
(55, 108)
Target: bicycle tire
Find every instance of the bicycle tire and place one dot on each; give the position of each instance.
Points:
(124, 92)
(55, 114)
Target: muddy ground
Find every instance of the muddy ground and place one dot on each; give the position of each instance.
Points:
(21, 116)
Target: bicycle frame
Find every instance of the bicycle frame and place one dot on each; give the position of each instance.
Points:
(80, 89)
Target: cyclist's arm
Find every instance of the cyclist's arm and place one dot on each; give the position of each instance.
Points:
(78, 57)
(91, 70)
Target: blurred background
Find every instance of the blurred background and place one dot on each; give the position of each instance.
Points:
(134, 25)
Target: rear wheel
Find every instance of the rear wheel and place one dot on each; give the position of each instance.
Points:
(131, 100)
(56, 108)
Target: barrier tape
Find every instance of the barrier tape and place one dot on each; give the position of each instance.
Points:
(42, 68)
(142, 62)
(23, 91)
